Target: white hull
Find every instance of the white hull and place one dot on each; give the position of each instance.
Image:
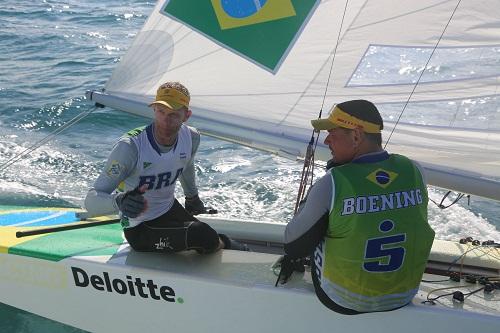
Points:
(224, 292)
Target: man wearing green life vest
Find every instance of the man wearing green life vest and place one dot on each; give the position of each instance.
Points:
(365, 222)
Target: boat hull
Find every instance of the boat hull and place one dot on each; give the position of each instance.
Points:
(113, 288)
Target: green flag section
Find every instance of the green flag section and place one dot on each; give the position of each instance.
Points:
(262, 31)
(94, 241)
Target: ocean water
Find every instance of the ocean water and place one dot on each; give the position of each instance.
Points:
(53, 51)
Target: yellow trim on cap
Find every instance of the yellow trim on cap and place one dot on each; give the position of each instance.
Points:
(339, 118)
(171, 98)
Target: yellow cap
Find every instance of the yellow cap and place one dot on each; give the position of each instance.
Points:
(339, 118)
(171, 97)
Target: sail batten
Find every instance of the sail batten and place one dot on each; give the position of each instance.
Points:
(266, 101)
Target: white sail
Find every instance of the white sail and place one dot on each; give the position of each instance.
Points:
(268, 104)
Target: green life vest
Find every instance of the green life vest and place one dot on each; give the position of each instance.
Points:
(378, 238)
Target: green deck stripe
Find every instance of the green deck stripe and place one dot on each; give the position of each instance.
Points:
(94, 241)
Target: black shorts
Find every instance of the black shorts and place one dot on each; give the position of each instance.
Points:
(174, 231)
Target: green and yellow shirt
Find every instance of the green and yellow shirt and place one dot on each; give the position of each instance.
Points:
(378, 239)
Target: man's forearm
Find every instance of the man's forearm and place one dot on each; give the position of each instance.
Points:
(188, 181)
(305, 244)
(100, 203)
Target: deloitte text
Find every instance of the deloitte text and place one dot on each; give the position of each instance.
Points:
(132, 287)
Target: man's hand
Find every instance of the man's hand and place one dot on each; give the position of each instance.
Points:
(194, 205)
(132, 203)
(288, 266)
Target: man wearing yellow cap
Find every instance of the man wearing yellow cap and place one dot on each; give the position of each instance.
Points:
(145, 165)
(364, 223)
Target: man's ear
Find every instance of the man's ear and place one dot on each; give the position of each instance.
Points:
(358, 135)
(188, 114)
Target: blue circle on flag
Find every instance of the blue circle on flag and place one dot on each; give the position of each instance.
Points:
(382, 177)
(242, 8)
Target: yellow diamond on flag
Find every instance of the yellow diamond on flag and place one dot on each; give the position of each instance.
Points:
(239, 13)
(381, 177)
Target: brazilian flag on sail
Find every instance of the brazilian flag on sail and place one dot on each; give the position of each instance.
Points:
(260, 30)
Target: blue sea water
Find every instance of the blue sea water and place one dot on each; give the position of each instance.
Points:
(51, 53)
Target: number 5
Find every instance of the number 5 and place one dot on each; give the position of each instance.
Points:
(376, 248)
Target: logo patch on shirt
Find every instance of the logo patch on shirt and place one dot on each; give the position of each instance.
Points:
(381, 177)
(114, 169)
(182, 155)
(146, 165)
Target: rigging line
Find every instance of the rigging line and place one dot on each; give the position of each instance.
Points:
(304, 175)
(431, 300)
(38, 144)
(458, 198)
(46, 139)
(461, 258)
(328, 83)
(312, 159)
(311, 148)
(333, 59)
(422, 73)
(316, 75)
(326, 61)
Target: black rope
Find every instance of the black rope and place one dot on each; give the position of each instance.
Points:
(457, 295)
(459, 196)
(308, 160)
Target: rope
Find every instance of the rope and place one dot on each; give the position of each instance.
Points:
(44, 140)
(457, 294)
(422, 72)
(459, 196)
(308, 161)
(308, 167)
